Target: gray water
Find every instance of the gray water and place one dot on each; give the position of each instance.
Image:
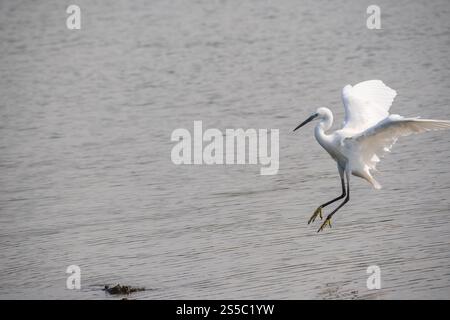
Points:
(86, 176)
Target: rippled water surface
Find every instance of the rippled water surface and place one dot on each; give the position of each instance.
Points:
(86, 176)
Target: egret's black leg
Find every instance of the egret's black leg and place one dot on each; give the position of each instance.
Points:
(328, 219)
(319, 209)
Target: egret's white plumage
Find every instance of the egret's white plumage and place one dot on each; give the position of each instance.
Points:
(366, 104)
(369, 131)
(376, 141)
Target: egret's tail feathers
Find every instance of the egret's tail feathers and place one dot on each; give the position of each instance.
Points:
(371, 180)
(375, 184)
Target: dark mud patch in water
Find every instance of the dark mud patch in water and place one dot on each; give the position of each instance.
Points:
(122, 290)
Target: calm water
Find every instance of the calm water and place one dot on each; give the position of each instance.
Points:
(86, 176)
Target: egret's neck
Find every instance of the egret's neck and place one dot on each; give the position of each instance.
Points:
(322, 127)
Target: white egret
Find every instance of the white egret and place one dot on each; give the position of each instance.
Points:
(369, 131)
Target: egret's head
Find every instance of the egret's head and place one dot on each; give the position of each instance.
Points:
(320, 114)
(323, 113)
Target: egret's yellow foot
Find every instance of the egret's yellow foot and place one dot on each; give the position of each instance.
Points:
(325, 223)
(316, 213)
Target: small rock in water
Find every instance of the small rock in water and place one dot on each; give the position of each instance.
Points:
(119, 289)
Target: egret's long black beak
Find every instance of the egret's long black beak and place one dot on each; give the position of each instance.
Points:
(306, 121)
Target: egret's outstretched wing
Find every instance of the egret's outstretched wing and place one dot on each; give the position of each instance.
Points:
(374, 142)
(366, 104)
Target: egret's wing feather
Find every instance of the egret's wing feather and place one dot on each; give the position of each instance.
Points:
(366, 104)
(375, 142)
(376, 91)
